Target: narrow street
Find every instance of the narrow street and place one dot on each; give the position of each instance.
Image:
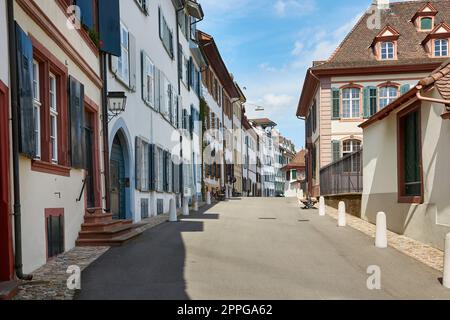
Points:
(256, 248)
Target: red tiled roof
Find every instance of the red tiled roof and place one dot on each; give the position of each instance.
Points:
(297, 162)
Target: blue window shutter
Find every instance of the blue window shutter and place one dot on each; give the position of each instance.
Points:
(77, 135)
(132, 61)
(109, 26)
(335, 104)
(138, 162)
(152, 171)
(404, 89)
(24, 50)
(87, 14)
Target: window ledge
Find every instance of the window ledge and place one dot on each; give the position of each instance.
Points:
(410, 200)
(51, 168)
(351, 120)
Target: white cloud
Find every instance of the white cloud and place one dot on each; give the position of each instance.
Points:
(294, 7)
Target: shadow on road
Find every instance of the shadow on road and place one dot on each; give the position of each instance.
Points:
(150, 267)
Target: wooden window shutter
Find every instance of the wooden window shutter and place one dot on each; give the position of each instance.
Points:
(404, 89)
(152, 170)
(139, 163)
(86, 9)
(336, 97)
(132, 61)
(336, 148)
(157, 89)
(144, 68)
(25, 78)
(109, 26)
(77, 135)
(366, 103)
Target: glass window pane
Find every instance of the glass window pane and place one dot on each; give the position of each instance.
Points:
(412, 154)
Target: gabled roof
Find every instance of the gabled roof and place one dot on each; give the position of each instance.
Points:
(354, 50)
(427, 9)
(263, 122)
(209, 47)
(298, 162)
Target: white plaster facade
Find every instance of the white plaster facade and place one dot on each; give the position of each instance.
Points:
(59, 192)
(429, 220)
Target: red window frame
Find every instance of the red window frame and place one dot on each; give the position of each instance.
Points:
(48, 63)
(402, 198)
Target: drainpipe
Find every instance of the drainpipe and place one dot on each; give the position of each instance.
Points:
(422, 98)
(178, 10)
(15, 145)
(104, 75)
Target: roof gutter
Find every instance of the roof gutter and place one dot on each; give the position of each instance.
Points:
(422, 98)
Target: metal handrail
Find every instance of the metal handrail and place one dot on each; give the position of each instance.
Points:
(82, 190)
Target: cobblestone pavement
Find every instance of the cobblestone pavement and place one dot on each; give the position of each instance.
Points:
(426, 254)
(50, 281)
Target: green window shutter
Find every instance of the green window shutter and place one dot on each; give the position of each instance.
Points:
(138, 162)
(404, 89)
(373, 99)
(152, 170)
(366, 103)
(336, 110)
(370, 101)
(336, 147)
(426, 24)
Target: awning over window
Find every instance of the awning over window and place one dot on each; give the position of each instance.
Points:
(194, 9)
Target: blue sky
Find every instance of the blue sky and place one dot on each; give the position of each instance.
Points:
(269, 44)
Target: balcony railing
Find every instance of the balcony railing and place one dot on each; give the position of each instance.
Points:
(343, 176)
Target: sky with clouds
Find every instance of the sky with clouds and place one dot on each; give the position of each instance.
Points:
(269, 44)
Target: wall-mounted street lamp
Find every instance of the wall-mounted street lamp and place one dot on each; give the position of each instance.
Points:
(117, 101)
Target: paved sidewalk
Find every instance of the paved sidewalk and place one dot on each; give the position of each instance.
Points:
(50, 281)
(426, 254)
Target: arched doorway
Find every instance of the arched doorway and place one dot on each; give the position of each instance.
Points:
(118, 178)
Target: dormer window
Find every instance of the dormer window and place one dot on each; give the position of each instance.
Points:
(385, 44)
(437, 41)
(426, 24)
(441, 48)
(387, 51)
(424, 18)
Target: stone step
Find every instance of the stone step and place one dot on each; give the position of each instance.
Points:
(112, 242)
(111, 232)
(100, 226)
(95, 218)
(98, 211)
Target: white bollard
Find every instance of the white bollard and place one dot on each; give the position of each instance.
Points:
(446, 278)
(321, 206)
(301, 195)
(185, 207)
(381, 231)
(341, 215)
(208, 198)
(172, 212)
(195, 205)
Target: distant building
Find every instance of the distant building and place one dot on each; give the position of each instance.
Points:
(295, 175)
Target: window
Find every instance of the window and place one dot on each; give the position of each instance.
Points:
(351, 103)
(148, 81)
(387, 96)
(352, 164)
(53, 119)
(372, 101)
(426, 24)
(123, 70)
(165, 34)
(143, 4)
(36, 110)
(441, 48)
(387, 50)
(409, 169)
(294, 174)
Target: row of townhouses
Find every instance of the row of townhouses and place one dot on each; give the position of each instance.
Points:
(375, 115)
(111, 113)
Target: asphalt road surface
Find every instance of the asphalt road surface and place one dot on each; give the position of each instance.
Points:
(256, 248)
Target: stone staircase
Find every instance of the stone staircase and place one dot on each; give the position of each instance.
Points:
(99, 229)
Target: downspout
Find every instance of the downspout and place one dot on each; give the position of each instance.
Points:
(422, 98)
(18, 266)
(177, 20)
(105, 129)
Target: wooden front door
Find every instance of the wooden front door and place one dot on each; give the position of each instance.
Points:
(117, 173)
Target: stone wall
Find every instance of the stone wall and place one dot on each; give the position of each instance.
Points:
(352, 203)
